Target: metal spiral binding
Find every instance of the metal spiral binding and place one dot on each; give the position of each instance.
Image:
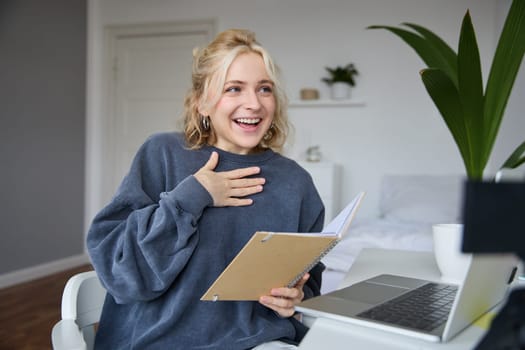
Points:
(296, 279)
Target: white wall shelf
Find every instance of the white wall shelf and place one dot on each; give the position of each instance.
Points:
(326, 103)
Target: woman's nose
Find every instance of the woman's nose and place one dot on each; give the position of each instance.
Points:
(252, 100)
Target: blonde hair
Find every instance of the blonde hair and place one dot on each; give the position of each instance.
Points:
(210, 65)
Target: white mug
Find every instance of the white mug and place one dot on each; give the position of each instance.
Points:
(451, 261)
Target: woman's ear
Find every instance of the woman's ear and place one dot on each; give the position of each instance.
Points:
(203, 111)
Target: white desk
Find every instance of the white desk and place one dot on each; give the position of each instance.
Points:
(334, 335)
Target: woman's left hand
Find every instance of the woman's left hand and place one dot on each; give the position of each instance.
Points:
(283, 300)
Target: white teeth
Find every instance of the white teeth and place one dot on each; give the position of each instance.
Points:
(248, 120)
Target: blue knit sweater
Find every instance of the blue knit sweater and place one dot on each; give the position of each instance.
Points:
(159, 244)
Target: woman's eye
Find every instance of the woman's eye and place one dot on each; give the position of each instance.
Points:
(233, 89)
(266, 89)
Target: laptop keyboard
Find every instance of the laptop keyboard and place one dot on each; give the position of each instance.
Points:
(424, 308)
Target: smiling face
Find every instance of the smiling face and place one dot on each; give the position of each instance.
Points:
(246, 107)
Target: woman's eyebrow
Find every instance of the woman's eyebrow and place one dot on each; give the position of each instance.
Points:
(266, 81)
(240, 82)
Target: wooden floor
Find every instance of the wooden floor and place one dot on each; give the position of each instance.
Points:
(28, 311)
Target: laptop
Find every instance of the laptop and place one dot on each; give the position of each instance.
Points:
(485, 285)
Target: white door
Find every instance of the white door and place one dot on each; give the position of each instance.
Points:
(151, 74)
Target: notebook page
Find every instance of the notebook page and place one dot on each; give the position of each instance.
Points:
(342, 221)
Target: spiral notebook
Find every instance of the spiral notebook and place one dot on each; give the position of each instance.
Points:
(275, 259)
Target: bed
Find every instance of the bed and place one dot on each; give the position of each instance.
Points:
(408, 207)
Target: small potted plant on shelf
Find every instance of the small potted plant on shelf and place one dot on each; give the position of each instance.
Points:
(340, 80)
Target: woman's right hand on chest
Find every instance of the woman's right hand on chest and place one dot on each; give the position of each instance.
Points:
(229, 188)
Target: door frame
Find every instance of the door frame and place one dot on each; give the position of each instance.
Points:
(101, 106)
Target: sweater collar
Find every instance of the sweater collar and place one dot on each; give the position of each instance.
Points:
(255, 158)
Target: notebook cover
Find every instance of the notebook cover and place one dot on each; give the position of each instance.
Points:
(278, 259)
(268, 260)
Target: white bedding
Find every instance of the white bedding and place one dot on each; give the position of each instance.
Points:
(378, 233)
(409, 205)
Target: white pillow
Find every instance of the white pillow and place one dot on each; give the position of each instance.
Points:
(422, 198)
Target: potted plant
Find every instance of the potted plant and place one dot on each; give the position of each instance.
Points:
(472, 114)
(340, 80)
(454, 82)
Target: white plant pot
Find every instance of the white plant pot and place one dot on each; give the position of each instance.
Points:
(340, 91)
(451, 261)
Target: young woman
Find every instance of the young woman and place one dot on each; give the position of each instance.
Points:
(191, 201)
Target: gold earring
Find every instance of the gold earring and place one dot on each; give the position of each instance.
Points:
(269, 134)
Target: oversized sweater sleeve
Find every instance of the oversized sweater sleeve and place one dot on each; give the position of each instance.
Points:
(144, 237)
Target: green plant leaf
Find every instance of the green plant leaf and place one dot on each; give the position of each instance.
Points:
(455, 84)
(341, 74)
(449, 63)
(447, 99)
(505, 66)
(516, 158)
(429, 49)
(471, 93)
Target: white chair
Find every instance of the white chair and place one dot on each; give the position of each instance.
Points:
(82, 302)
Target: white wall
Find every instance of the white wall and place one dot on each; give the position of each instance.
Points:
(397, 131)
